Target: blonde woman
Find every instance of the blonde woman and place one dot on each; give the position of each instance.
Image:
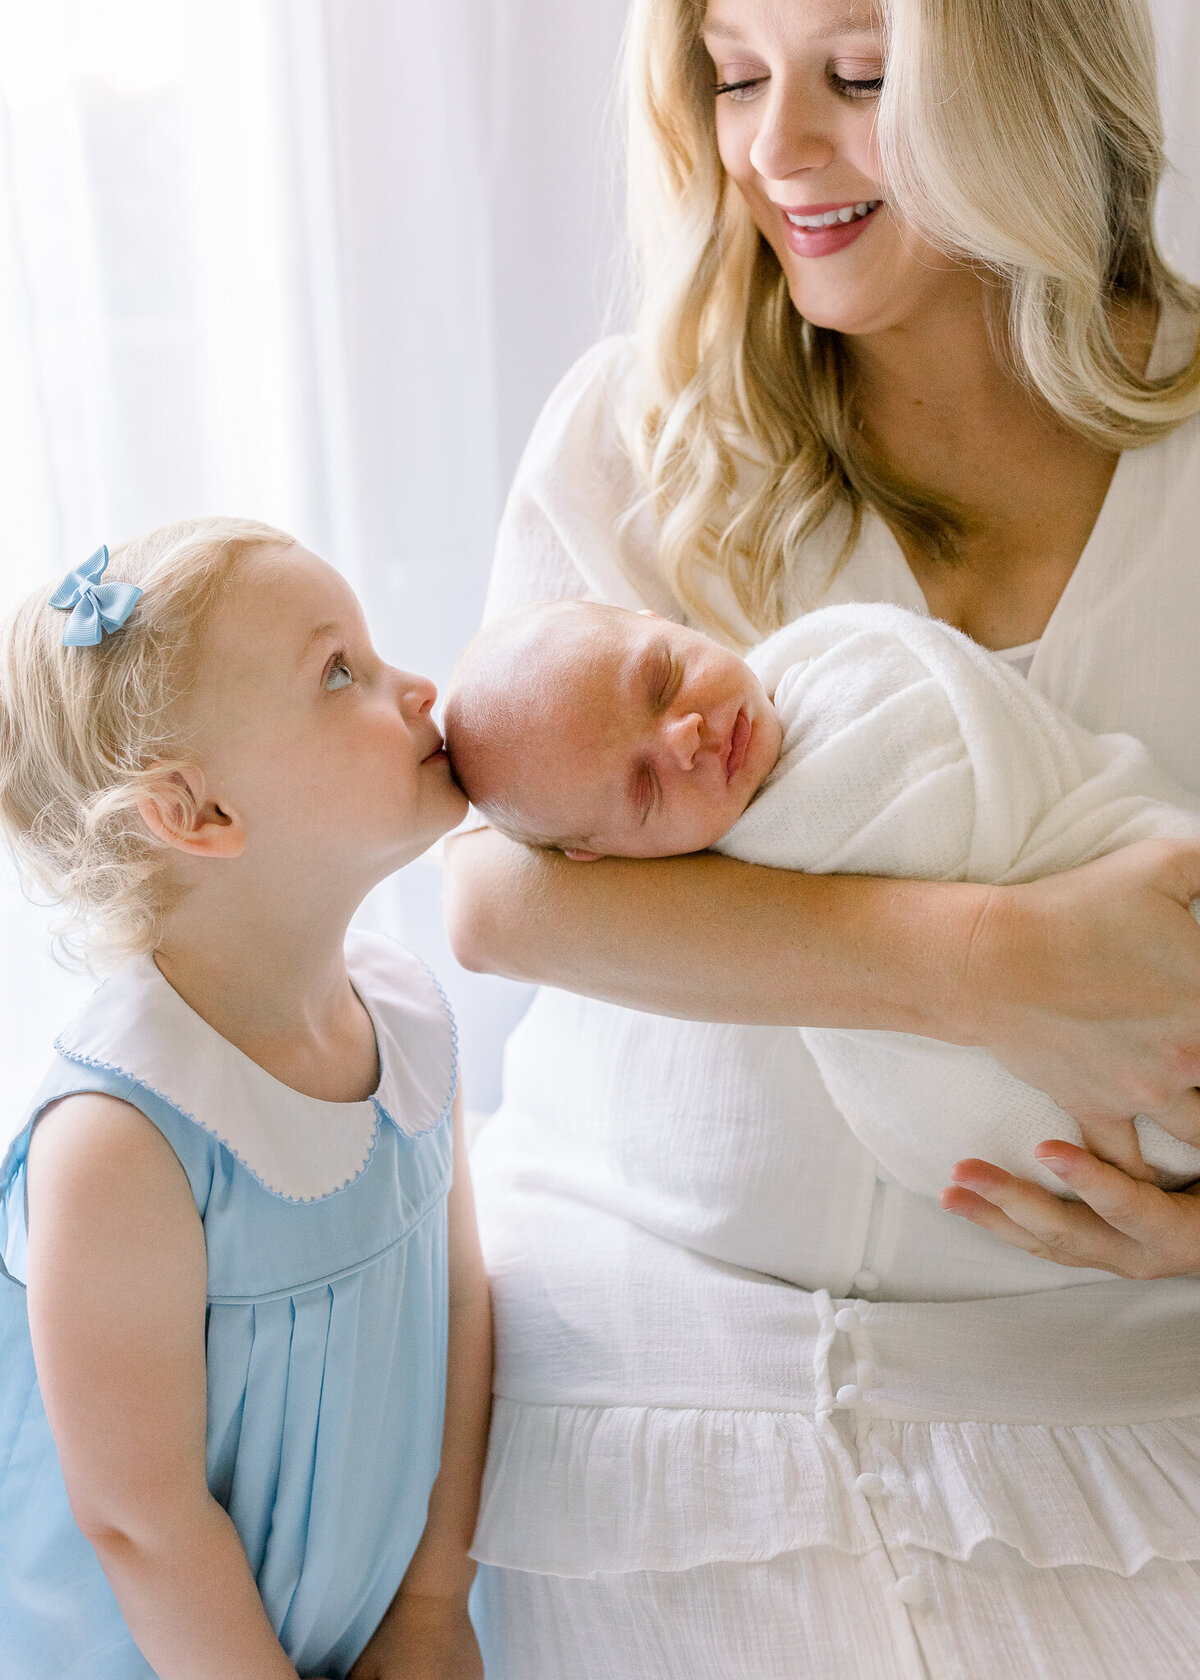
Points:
(905, 335)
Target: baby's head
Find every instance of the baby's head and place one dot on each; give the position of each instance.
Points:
(604, 732)
(234, 715)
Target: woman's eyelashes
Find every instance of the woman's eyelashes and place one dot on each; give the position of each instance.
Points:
(740, 90)
(338, 674)
(846, 87)
(854, 88)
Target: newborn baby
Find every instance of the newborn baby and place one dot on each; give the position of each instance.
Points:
(861, 739)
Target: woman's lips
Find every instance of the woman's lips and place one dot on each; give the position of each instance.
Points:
(824, 241)
(739, 742)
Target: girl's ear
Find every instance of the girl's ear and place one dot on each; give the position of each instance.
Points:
(176, 812)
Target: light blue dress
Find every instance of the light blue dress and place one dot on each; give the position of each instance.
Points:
(325, 1225)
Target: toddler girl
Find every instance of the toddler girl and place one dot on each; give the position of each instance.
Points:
(231, 1280)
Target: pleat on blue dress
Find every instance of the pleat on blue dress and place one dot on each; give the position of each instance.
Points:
(325, 1226)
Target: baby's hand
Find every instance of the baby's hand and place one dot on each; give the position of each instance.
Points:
(422, 1638)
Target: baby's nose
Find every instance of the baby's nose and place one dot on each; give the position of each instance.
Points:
(682, 740)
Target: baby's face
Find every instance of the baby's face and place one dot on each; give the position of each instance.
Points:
(648, 739)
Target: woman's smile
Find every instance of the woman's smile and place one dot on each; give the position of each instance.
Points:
(819, 230)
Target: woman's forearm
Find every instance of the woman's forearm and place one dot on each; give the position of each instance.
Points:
(708, 938)
(1085, 985)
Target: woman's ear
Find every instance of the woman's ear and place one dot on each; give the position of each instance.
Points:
(176, 811)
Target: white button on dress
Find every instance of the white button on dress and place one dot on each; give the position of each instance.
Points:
(847, 1318)
(910, 1590)
(870, 1485)
(866, 1281)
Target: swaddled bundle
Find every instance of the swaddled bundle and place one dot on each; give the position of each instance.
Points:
(909, 750)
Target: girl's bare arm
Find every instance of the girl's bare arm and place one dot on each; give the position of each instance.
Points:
(117, 1285)
(426, 1633)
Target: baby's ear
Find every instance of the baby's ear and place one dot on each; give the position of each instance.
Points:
(576, 856)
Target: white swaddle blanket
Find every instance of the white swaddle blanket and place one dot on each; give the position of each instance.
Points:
(909, 750)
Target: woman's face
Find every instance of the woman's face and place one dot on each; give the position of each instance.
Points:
(798, 84)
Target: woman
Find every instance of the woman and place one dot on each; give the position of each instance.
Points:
(760, 1413)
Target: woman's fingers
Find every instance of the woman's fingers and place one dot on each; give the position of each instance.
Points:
(1120, 1224)
(1026, 1216)
(1182, 1117)
(1088, 984)
(1116, 1141)
(1163, 1225)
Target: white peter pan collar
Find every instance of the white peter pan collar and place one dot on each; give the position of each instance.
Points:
(299, 1147)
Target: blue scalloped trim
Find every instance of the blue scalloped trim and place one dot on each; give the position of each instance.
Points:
(281, 1195)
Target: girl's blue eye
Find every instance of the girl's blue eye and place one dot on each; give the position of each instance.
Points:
(339, 675)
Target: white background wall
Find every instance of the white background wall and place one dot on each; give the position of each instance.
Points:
(318, 261)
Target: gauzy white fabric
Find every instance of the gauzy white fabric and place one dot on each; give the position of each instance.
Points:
(910, 751)
(674, 1214)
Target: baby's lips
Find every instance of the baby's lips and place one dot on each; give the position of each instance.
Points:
(739, 741)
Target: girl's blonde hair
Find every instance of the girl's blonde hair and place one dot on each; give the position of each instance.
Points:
(1023, 136)
(86, 733)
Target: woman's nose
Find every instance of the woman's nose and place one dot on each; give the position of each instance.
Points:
(680, 740)
(789, 139)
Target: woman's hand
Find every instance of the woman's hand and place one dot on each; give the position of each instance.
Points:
(1087, 986)
(1120, 1225)
(422, 1638)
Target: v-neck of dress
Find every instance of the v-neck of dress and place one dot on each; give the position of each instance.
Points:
(1119, 500)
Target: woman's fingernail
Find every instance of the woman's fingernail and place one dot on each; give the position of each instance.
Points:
(1056, 1163)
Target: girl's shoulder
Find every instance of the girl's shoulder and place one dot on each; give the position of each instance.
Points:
(251, 1146)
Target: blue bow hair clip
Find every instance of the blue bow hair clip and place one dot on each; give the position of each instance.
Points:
(96, 608)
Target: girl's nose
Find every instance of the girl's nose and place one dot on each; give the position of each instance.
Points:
(417, 694)
(680, 740)
(789, 139)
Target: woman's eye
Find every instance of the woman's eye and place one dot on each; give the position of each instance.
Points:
(743, 90)
(339, 675)
(849, 88)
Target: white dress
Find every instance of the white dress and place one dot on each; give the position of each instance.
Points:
(760, 1412)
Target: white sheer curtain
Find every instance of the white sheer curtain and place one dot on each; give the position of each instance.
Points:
(318, 261)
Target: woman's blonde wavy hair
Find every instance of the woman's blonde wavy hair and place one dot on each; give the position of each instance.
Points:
(87, 733)
(1021, 135)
